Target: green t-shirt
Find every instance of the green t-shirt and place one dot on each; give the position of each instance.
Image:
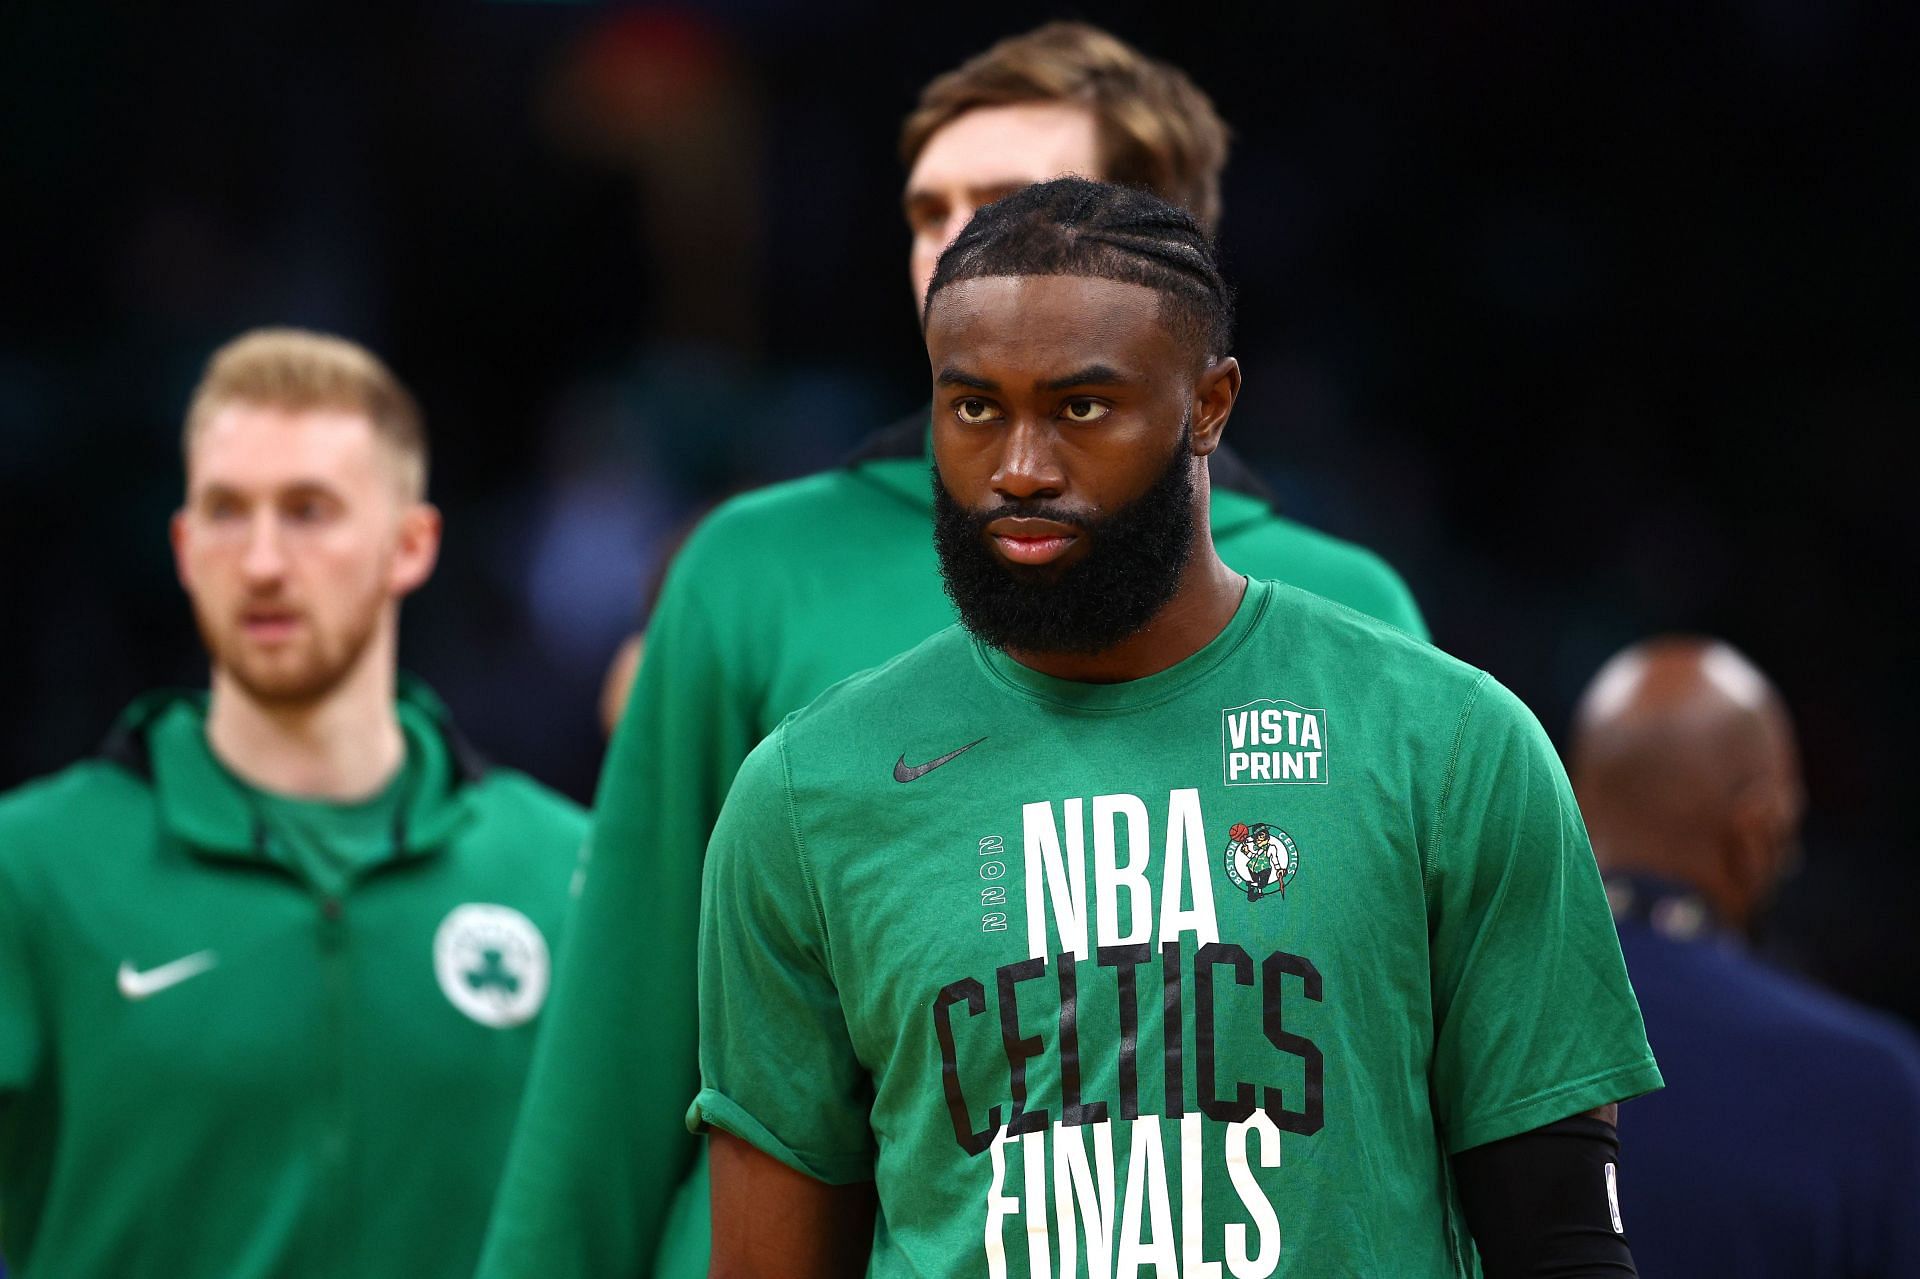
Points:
(227, 1051)
(330, 844)
(1206, 973)
(778, 595)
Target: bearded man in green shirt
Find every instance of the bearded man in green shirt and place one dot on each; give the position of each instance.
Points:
(776, 596)
(270, 963)
(1066, 1044)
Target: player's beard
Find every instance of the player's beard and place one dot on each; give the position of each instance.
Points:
(1132, 566)
(302, 673)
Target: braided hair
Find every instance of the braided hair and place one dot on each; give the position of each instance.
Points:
(1073, 226)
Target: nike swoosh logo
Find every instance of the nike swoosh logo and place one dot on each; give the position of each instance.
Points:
(903, 772)
(137, 985)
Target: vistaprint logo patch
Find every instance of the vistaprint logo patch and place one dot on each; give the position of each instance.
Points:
(1270, 742)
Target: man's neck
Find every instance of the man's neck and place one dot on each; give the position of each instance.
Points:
(1678, 864)
(1200, 609)
(342, 747)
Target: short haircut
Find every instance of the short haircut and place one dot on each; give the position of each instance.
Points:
(1156, 129)
(295, 369)
(1071, 226)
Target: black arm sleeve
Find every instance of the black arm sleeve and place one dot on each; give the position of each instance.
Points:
(1543, 1205)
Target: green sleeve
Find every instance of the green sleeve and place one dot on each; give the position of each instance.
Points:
(1271, 546)
(1397, 605)
(601, 1144)
(777, 1064)
(1534, 1020)
(1370, 584)
(20, 1027)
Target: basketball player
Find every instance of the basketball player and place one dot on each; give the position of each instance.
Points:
(269, 963)
(993, 979)
(776, 596)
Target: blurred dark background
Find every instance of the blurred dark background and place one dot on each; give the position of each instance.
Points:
(1597, 321)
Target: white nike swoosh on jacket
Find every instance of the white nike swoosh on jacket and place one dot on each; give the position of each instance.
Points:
(136, 985)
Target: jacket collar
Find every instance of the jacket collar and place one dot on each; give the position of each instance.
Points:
(162, 739)
(1674, 910)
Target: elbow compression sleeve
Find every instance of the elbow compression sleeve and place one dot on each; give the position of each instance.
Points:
(1544, 1204)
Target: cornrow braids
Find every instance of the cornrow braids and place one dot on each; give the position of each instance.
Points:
(1072, 226)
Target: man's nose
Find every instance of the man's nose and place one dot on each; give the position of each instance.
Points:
(1029, 463)
(265, 559)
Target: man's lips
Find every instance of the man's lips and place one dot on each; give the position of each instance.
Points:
(269, 626)
(1025, 540)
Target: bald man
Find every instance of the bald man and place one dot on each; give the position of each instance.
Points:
(1787, 1141)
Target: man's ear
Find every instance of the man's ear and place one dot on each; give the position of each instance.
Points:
(1758, 849)
(416, 549)
(1213, 400)
(177, 535)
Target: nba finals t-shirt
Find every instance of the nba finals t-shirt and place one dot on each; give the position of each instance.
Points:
(1200, 975)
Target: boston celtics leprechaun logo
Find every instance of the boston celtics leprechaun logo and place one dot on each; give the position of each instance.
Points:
(1261, 859)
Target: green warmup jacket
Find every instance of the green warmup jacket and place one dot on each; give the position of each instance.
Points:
(778, 595)
(212, 1067)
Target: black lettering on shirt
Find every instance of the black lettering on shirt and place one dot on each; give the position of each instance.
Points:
(1308, 1121)
(1126, 960)
(1019, 1050)
(1176, 1095)
(1207, 1082)
(974, 995)
(1072, 1112)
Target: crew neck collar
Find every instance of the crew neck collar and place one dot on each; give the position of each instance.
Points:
(1129, 695)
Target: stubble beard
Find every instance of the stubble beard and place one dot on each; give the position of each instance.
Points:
(303, 674)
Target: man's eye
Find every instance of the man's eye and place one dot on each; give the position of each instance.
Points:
(1084, 411)
(308, 510)
(973, 412)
